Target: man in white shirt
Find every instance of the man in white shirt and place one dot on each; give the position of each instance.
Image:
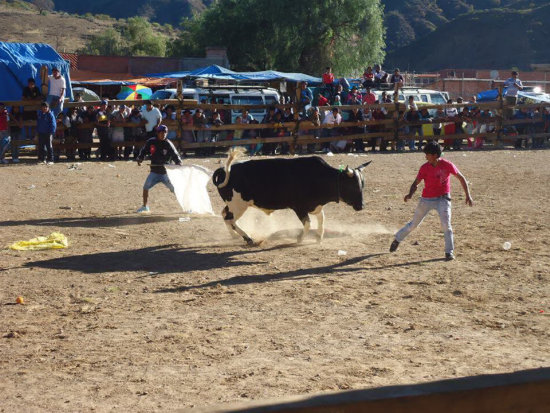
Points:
(153, 117)
(333, 117)
(56, 91)
(513, 85)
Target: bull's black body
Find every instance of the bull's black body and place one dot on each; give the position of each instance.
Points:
(304, 185)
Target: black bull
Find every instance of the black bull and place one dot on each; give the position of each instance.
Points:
(304, 185)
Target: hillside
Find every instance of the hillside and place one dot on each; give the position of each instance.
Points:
(64, 32)
(481, 40)
(161, 11)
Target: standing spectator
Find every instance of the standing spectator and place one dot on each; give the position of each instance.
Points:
(56, 91)
(119, 117)
(69, 133)
(199, 122)
(305, 96)
(356, 115)
(137, 134)
(334, 119)
(103, 123)
(152, 117)
(379, 114)
(368, 78)
(45, 128)
(16, 131)
(31, 93)
(328, 81)
(450, 112)
(412, 117)
(269, 148)
(5, 138)
(186, 134)
(513, 85)
(169, 114)
(85, 125)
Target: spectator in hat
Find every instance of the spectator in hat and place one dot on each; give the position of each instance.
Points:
(161, 151)
(56, 91)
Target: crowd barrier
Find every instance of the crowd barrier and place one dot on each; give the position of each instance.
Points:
(301, 132)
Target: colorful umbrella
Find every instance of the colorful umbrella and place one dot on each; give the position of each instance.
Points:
(131, 92)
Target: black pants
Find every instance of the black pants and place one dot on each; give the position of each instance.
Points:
(45, 147)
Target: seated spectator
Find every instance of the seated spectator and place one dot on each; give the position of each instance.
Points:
(334, 118)
(369, 98)
(322, 101)
(412, 117)
(396, 80)
(368, 78)
(380, 77)
(354, 97)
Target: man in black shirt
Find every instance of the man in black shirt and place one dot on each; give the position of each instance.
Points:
(30, 92)
(161, 151)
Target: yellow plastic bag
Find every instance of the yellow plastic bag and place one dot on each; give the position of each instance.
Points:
(55, 240)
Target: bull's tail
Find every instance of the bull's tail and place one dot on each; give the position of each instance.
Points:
(232, 156)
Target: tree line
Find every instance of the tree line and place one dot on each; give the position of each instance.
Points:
(286, 35)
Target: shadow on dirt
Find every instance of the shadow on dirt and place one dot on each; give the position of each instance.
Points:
(338, 267)
(158, 260)
(93, 222)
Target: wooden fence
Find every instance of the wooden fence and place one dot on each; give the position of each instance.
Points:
(302, 132)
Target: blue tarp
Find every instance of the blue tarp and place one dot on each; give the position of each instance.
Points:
(492, 95)
(102, 82)
(218, 72)
(21, 61)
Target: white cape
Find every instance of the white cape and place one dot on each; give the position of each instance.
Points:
(189, 183)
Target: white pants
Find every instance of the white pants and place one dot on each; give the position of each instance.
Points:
(443, 207)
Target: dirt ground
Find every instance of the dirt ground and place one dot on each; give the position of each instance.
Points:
(145, 313)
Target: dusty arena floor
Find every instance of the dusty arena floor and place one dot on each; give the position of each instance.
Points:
(147, 313)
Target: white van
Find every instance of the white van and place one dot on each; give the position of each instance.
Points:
(434, 97)
(228, 95)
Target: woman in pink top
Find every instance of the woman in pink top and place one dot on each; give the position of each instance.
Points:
(436, 195)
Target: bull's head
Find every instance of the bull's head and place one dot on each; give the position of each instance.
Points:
(351, 186)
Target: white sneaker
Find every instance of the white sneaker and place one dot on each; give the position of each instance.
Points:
(50, 163)
(143, 210)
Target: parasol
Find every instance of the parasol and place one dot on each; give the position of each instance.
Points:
(131, 92)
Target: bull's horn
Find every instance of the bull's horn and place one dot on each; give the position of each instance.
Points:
(349, 172)
(362, 166)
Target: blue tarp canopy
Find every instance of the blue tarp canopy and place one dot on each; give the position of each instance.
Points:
(103, 82)
(21, 61)
(492, 95)
(218, 72)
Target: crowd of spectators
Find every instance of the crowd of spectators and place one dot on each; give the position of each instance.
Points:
(109, 124)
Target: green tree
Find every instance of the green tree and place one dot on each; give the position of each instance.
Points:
(290, 35)
(108, 43)
(142, 40)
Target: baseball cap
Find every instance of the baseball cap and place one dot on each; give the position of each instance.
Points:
(162, 128)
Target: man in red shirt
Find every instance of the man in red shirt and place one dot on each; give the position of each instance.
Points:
(436, 195)
(328, 82)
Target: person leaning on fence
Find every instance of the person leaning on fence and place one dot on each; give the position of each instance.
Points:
(161, 151)
(513, 85)
(436, 195)
(46, 126)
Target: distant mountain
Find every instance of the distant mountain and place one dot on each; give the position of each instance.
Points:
(161, 11)
(498, 38)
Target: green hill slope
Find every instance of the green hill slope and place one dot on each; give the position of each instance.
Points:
(488, 39)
